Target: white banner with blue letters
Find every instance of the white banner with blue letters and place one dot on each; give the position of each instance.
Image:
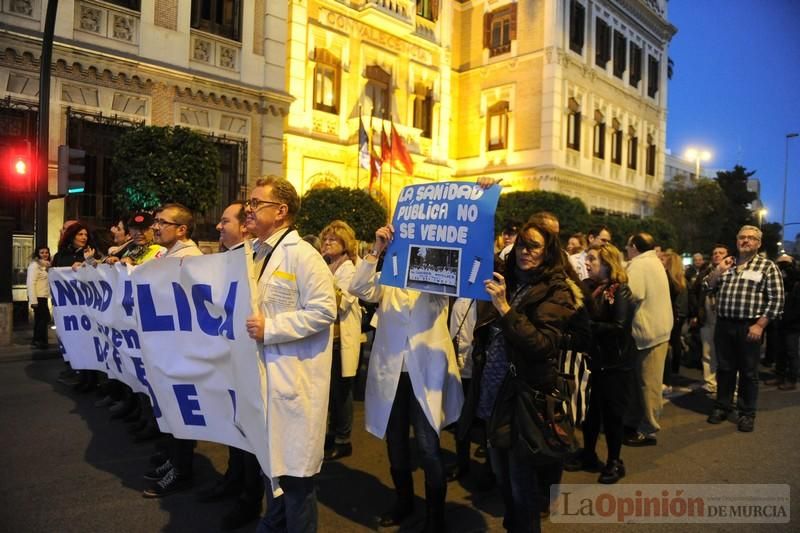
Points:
(175, 330)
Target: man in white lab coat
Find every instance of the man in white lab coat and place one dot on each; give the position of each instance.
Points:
(297, 309)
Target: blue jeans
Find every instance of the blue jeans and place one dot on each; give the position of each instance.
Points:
(736, 355)
(293, 512)
(406, 411)
(517, 477)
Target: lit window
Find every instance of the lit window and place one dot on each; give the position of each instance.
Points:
(326, 81)
(599, 146)
(497, 126)
(423, 109)
(574, 125)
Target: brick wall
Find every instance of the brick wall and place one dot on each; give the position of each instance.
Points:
(166, 14)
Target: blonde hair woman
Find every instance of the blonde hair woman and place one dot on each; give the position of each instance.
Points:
(338, 246)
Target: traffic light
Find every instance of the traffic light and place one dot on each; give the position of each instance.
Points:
(71, 168)
(18, 167)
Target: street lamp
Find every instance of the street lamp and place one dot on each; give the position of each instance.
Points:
(785, 180)
(761, 214)
(697, 155)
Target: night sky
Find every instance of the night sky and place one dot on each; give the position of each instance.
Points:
(736, 91)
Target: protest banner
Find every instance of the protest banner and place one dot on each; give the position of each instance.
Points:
(205, 371)
(176, 330)
(77, 297)
(443, 239)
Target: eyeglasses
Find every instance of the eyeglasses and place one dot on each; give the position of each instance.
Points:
(162, 222)
(748, 238)
(255, 204)
(331, 240)
(530, 246)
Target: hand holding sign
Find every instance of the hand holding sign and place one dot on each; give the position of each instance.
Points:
(383, 237)
(255, 327)
(496, 288)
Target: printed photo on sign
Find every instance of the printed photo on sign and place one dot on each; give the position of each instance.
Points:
(433, 269)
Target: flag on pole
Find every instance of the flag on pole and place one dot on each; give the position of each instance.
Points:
(400, 154)
(386, 148)
(375, 163)
(363, 145)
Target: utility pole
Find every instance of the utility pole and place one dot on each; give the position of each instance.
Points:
(43, 143)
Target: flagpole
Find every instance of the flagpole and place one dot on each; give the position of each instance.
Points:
(358, 151)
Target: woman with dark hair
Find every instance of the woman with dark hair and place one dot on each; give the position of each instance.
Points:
(38, 294)
(611, 361)
(530, 307)
(73, 250)
(74, 246)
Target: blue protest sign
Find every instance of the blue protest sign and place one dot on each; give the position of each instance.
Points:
(443, 239)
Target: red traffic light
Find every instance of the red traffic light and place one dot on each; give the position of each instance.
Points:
(17, 167)
(21, 166)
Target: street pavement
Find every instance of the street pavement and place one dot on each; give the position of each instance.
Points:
(67, 467)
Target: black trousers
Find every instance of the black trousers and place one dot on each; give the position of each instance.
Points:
(41, 321)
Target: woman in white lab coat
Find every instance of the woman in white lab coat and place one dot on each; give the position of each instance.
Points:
(338, 247)
(413, 379)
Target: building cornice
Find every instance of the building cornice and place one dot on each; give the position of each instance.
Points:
(75, 60)
(646, 14)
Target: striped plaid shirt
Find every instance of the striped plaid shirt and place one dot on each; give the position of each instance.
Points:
(751, 290)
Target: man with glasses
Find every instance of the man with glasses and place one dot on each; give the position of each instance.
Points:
(651, 329)
(749, 293)
(173, 227)
(294, 330)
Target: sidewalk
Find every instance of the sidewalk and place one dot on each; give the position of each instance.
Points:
(20, 348)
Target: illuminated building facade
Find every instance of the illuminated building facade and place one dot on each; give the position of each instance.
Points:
(564, 95)
(386, 62)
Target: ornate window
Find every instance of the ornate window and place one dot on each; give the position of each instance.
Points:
(497, 126)
(650, 163)
(377, 90)
(327, 72)
(633, 148)
(220, 17)
(499, 29)
(599, 146)
(423, 109)
(574, 125)
(616, 142)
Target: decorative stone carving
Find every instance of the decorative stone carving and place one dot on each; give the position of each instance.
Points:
(132, 105)
(124, 27)
(234, 125)
(21, 7)
(202, 51)
(227, 57)
(91, 19)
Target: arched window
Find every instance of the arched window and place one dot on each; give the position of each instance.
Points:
(423, 109)
(377, 90)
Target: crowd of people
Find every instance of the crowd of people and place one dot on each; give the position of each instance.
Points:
(437, 362)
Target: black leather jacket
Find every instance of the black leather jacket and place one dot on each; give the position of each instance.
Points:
(611, 314)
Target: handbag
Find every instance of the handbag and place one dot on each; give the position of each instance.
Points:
(540, 421)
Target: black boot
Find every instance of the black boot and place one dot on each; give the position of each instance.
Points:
(404, 506)
(434, 509)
